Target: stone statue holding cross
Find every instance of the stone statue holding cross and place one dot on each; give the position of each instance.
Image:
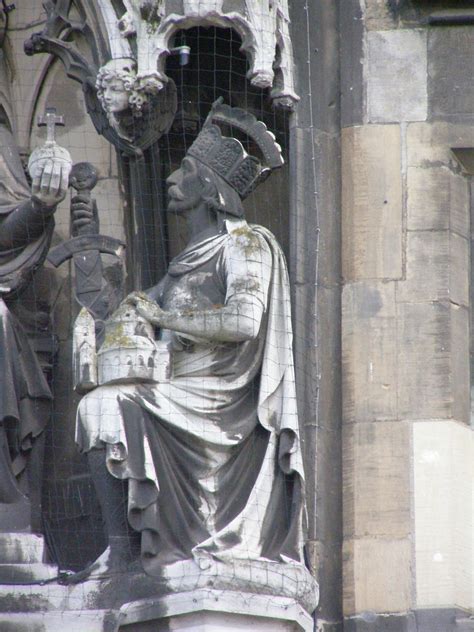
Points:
(26, 227)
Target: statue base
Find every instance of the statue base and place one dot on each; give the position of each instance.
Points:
(215, 611)
(213, 597)
(199, 611)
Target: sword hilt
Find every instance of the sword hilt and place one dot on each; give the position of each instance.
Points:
(83, 178)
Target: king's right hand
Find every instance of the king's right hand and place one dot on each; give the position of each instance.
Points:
(50, 184)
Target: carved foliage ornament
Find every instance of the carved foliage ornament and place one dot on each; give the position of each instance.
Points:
(263, 26)
(138, 44)
(145, 118)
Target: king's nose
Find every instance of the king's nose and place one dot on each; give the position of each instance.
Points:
(172, 179)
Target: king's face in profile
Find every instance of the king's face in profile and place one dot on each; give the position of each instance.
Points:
(185, 187)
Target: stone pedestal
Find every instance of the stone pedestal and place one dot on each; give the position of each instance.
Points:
(263, 597)
(210, 610)
(22, 560)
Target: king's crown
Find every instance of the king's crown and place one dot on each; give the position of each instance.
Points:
(227, 156)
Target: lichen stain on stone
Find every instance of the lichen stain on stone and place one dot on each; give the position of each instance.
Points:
(245, 285)
(246, 239)
(23, 603)
(116, 337)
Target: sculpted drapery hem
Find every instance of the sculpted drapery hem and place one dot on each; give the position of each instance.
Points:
(212, 457)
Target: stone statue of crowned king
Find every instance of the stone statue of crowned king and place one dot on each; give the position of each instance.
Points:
(202, 464)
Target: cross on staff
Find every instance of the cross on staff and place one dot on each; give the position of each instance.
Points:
(49, 120)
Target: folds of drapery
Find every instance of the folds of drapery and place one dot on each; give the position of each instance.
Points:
(213, 463)
(24, 393)
(24, 402)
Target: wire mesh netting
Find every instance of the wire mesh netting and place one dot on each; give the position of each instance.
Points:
(202, 462)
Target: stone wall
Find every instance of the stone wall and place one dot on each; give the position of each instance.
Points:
(408, 448)
(315, 271)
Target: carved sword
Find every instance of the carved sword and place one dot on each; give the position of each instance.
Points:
(85, 249)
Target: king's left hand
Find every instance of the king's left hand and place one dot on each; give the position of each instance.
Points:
(146, 307)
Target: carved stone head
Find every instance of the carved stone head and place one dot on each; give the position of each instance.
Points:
(116, 87)
(194, 183)
(217, 169)
(139, 110)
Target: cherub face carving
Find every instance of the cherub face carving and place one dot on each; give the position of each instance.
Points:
(115, 85)
(115, 97)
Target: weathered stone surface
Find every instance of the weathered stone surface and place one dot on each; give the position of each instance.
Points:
(79, 621)
(21, 548)
(316, 186)
(208, 610)
(377, 575)
(323, 441)
(378, 15)
(430, 144)
(315, 205)
(303, 221)
(450, 69)
(327, 558)
(369, 352)
(352, 57)
(376, 481)
(464, 621)
(371, 202)
(443, 620)
(315, 38)
(425, 620)
(328, 626)
(433, 357)
(437, 199)
(437, 268)
(27, 573)
(443, 457)
(396, 76)
(328, 187)
(371, 622)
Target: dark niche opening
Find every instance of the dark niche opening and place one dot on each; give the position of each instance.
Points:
(216, 68)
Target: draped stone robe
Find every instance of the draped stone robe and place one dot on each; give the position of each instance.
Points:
(212, 456)
(24, 393)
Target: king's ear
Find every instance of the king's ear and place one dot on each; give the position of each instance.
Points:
(209, 189)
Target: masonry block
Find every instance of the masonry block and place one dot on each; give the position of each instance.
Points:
(376, 481)
(378, 575)
(378, 15)
(433, 360)
(369, 352)
(437, 268)
(371, 202)
(371, 622)
(443, 457)
(396, 76)
(430, 144)
(450, 68)
(437, 199)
